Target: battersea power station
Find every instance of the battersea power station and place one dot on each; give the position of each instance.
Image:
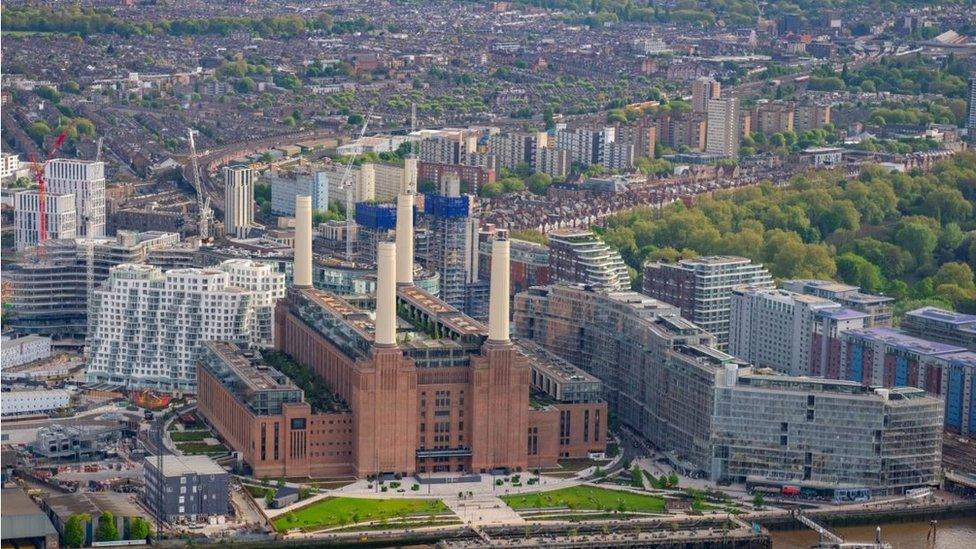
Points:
(399, 382)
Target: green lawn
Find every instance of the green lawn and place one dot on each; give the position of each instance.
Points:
(192, 448)
(341, 511)
(190, 436)
(588, 497)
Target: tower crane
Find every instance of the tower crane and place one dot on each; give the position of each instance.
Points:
(203, 202)
(347, 183)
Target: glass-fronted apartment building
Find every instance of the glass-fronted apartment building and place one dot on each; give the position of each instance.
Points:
(815, 432)
(715, 416)
(702, 288)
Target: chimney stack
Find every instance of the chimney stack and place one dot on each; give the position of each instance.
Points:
(386, 259)
(303, 242)
(498, 303)
(404, 239)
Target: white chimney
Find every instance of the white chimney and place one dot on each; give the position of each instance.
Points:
(303, 241)
(404, 239)
(386, 256)
(498, 304)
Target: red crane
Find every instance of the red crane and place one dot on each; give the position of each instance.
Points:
(38, 168)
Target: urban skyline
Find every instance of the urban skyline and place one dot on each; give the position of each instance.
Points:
(488, 274)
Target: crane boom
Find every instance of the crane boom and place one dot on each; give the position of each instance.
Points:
(350, 222)
(203, 204)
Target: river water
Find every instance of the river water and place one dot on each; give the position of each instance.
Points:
(955, 533)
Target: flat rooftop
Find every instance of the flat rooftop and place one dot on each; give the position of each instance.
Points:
(841, 313)
(175, 466)
(964, 358)
(771, 379)
(825, 285)
(942, 315)
(249, 367)
(17, 503)
(894, 337)
(21, 518)
(715, 260)
(552, 365)
(447, 315)
(94, 503)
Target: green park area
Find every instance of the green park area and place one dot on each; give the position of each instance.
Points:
(331, 512)
(587, 498)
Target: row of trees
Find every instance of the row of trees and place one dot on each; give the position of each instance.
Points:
(105, 529)
(704, 13)
(90, 21)
(911, 236)
(901, 75)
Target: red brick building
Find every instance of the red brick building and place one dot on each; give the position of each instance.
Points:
(259, 412)
(428, 389)
(472, 176)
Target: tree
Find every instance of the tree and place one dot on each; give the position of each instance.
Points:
(139, 528)
(512, 185)
(38, 131)
(49, 93)
(548, 118)
(491, 190)
(854, 269)
(245, 85)
(269, 496)
(758, 501)
(947, 205)
(106, 530)
(530, 235)
(355, 119)
(917, 238)
(636, 477)
(539, 183)
(955, 273)
(74, 529)
(84, 126)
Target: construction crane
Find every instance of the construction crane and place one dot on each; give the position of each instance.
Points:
(203, 202)
(38, 168)
(350, 222)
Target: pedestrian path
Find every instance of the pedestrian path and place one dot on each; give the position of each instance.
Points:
(483, 510)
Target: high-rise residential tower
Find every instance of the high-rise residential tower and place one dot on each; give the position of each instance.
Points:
(723, 127)
(702, 288)
(578, 256)
(704, 90)
(238, 200)
(453, 234)
(85, 179)
(60, 214)
(793, 333)
(146, 326)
